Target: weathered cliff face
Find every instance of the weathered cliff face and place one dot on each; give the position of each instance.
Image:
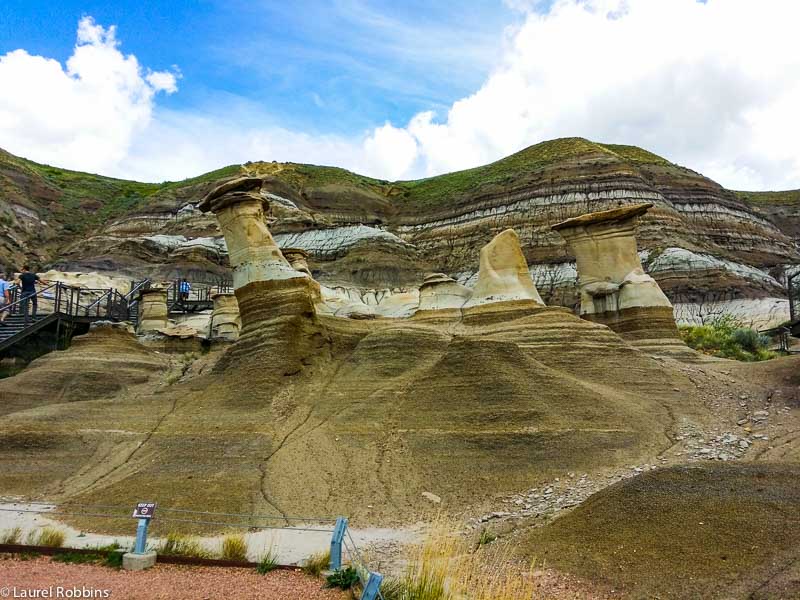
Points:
(369, 239)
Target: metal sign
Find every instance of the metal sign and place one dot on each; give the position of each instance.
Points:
(144, 510)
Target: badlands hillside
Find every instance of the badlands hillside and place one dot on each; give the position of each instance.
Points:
(710, 249)
(369, 382)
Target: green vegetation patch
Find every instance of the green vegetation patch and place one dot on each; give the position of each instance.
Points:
(786, 198)
(726, 337)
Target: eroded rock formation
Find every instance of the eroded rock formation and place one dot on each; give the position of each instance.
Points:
(614, 289)
(254, 256)
(440, 292)
(375, 237)
(276, 302)
(225, 318)
(153, 310)
(298, 259)
(503, 273)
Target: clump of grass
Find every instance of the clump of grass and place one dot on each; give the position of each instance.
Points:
(344, 579)
(47, 536)
(268, 561)
(485, 537)
(727, 337)
(28, 555)
(11, 536)
(234, 547)
(178, 544)
(317, 563)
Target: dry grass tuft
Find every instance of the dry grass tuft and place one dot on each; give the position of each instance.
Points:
(446, 567)
(178, 544)
(47, 536)
(11, 536)
(234, 547)
(317, 563)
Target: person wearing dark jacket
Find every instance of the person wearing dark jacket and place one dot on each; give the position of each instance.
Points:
(27, 281)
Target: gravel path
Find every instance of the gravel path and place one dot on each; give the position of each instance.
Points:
(168, 582)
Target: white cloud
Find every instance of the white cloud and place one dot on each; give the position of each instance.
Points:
(83, 115)
(712, 86)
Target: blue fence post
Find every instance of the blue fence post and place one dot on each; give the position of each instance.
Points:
(141, 536)
(336, 543)
(373, 587)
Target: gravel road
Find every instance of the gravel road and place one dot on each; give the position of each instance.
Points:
(168, 582)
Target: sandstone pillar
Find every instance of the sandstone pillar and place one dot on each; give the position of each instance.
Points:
(614, 289)
(153, 312)
(225, 318)
(254, 255)
(276, 302)
(298, 259)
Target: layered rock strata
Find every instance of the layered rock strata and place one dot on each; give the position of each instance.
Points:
(374, 236)
(97, 366)
(440, 292)
(298, 259)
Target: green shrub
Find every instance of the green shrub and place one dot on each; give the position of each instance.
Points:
(343, 579)
(234, 547)
(486, 537)
(317, 563)
(268, 562)
(726, 337)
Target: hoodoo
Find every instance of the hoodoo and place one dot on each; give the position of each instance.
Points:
(276, 302)
(153, 312)
(225, 318)
(614, 289)
(504, 273)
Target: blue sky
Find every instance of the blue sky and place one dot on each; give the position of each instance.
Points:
(326, 66)
(165, 89)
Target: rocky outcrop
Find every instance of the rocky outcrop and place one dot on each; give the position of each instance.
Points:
(97, 366)
(276, 302)
(503, 273)
(440, 292)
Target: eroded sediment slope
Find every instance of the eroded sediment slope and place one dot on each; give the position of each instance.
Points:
(700, 531)
(362, 417)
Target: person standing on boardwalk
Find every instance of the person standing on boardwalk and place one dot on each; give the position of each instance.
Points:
(5, 298)
(184, 288)
(27, 282)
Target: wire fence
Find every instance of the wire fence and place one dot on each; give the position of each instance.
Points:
(252, 520)
(199, 517)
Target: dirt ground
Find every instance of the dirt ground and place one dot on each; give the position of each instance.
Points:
(172, 582)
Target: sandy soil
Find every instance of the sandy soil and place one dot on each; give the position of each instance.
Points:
(171, 582)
